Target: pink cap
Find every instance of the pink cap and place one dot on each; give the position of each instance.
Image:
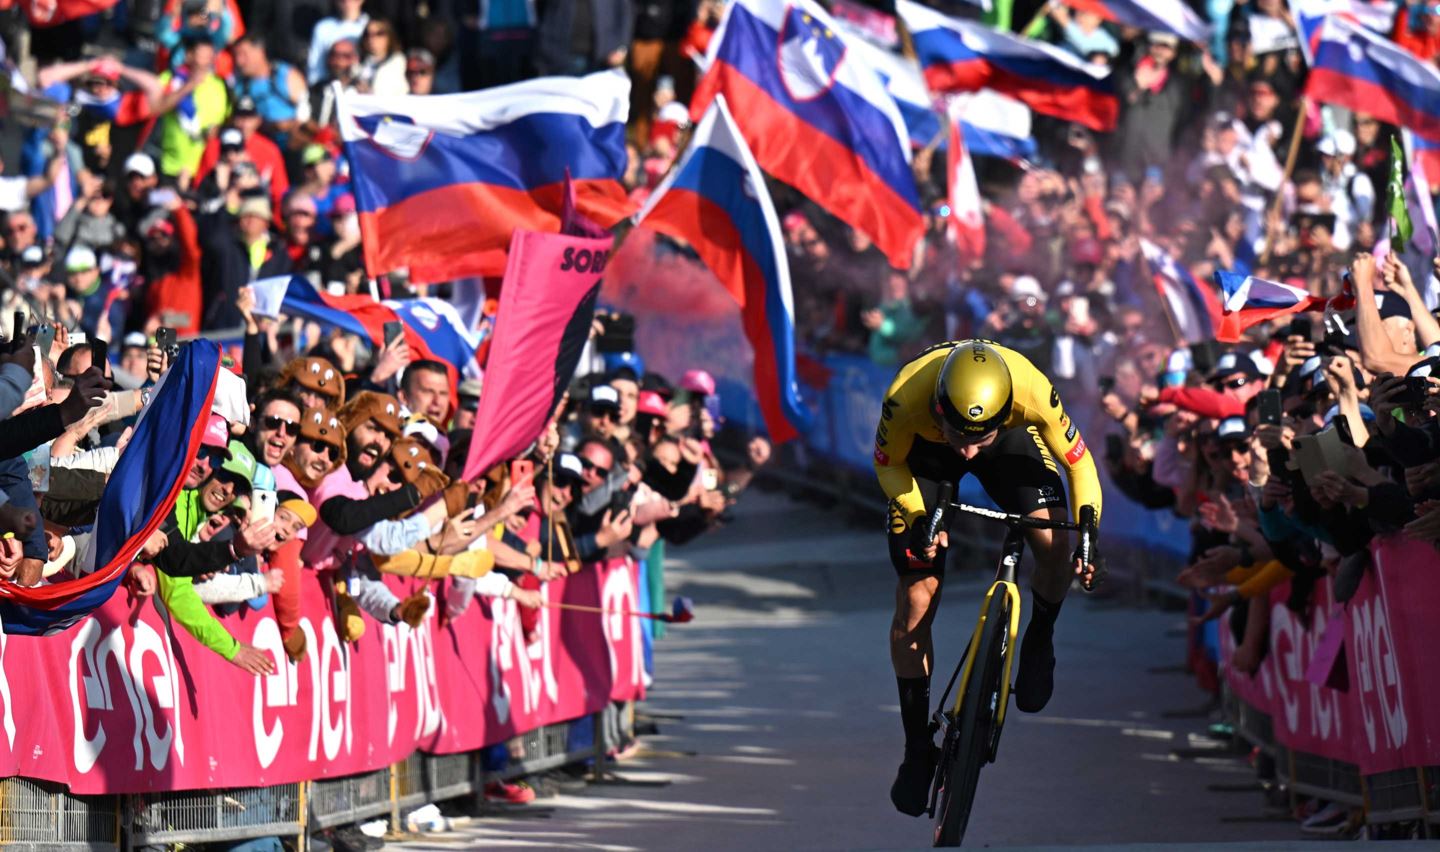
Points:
(217, 434)
(344, 205)
(698, 381)
(651, 402)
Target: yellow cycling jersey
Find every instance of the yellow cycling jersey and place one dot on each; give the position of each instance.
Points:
(906, 415)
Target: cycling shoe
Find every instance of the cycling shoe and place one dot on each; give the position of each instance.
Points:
(1036, 680)
(911, 790)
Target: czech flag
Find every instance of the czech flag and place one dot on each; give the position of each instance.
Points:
(1369, 73)
(966, 56)
(442, 181)
(1194, 309)
(1251, 301)
(433, 329)
(137, 498)
(817, 117)
(715, 200)
(1164, 16)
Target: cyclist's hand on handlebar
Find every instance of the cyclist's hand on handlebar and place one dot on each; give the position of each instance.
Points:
(1087, 572)
(921, 548)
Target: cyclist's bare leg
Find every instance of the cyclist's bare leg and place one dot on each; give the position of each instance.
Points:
(1052, 575)
(917, 597)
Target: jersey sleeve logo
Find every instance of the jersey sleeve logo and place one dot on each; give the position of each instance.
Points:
(1076, 452)
(1071, 432)
(1054, 397)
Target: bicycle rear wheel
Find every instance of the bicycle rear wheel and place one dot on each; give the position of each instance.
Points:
(968, 744)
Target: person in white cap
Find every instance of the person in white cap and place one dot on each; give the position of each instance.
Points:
(1351, 194)
(132, 202)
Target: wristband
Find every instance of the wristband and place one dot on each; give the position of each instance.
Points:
(535, 569)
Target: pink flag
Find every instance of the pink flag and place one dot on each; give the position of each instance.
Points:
(546, 306)
(967, 217)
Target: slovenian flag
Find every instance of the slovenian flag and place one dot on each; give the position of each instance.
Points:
(433, 329)
(1193, 308)
(1250, 301)
(1166, 16)
(137, 498)
(817, 116)
(966, 56)
(1310, 15)
(994, 125)
(715, 200)
(1368, 73)
(442, 181)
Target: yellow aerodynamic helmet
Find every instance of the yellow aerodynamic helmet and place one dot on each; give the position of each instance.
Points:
(973, 393)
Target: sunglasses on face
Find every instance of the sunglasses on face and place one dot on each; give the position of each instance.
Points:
(279, 424)
(1232, 384)
(589, 465)
(604, 414)
(320, 448)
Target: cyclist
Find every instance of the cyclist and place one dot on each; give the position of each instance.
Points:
(972, 406)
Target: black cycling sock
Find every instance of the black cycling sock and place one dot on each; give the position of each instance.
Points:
(1042, 614)
(915, 709)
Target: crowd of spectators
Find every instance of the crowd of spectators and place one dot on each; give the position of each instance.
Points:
(171, 153)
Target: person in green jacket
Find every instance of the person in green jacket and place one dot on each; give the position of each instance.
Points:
(893, 324)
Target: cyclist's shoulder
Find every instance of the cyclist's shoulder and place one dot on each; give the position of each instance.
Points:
(915, 380)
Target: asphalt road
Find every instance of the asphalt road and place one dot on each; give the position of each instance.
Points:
(779, 726)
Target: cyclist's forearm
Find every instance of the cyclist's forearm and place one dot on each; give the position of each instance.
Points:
(900, 486)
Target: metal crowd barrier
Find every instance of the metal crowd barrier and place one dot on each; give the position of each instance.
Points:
(1387, 798)
(38, 815)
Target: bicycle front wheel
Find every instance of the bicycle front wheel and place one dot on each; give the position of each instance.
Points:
(968, 744)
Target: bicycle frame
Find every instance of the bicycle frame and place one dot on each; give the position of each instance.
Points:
(1005, 574)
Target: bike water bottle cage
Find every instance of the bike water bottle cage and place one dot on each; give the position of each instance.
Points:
(973, 393)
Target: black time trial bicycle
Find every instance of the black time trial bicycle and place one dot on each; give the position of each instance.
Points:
(971, 727)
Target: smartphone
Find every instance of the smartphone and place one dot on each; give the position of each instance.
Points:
(162, 197)
(78, 338)
(1267, 407)
(262, 506)
(1107, 385)
(45, 337)
(1342, 428)
(710, 478)
(1416, 389)
(165, 341)
(99, 353)
(393, 330)
(522, 473)
(17, 332)
(1301, 327)
(620, 501)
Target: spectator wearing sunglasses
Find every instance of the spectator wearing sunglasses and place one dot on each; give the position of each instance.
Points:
(602, 412)
(277, 426)
(1237, 375)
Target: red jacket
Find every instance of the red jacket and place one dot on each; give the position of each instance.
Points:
(267, 159)
(1203, 401)
(179, 292)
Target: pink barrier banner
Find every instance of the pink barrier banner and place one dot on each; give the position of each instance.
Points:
(122, 703)
(1373, 712)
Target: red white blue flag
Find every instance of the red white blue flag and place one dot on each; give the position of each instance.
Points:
(817, 116)
(715, 200)
(137, 498)
(967, 211)
(1165, 16)
(1193, 307)
(1250, 301)
(967, 56)
(1368, 73)
(442, 181)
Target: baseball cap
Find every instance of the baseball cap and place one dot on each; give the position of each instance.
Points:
(217, 435)
(134, 340)
(241, 463)
(1232, 429)
(81, 259)
(419, 58)
(264, 479)
(302, 510)
(568, 469)
(470, 388)
(604, 396)
(1027, 287)
(255, 206)
(1337, 143)
(232, 138)
(140, 164)
(32, 256)
(299, 202)
(617, 364)
(1164, 38)
(651, 403)
(1235, 362)
(314, 153)
(245, 105)
(698, 381)
(344, 205)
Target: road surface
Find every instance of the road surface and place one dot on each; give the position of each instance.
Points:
(779, 726)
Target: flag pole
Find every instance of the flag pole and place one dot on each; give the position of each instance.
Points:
(1290, 158)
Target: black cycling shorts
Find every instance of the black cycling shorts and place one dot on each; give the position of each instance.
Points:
(1017, 471)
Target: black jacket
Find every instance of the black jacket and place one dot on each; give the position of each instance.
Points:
(225, 268)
